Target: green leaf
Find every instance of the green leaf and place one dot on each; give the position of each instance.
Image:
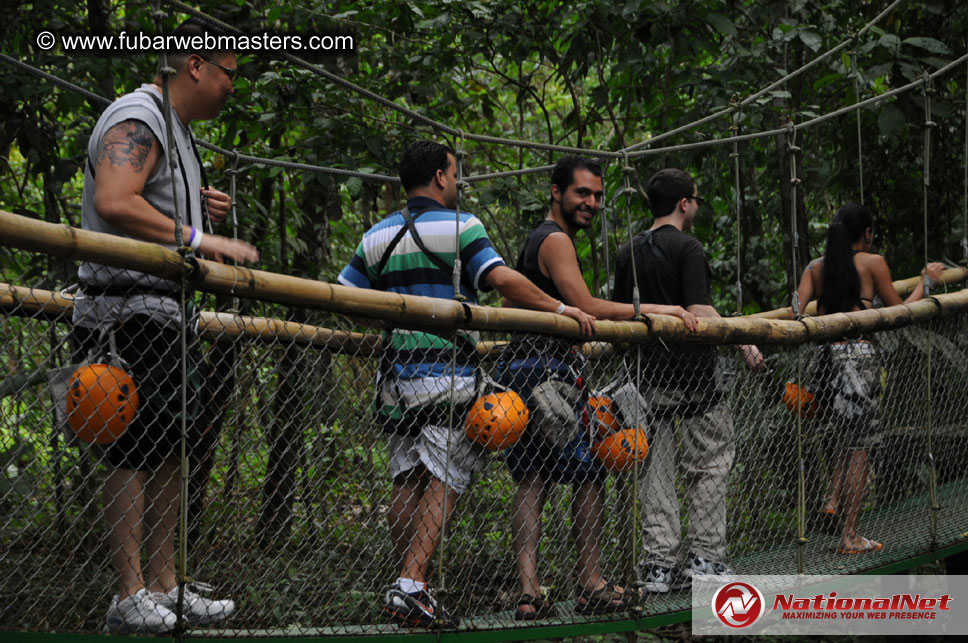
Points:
(354, 186)
(826, 80)
(811, 39)
(890, 122)
(721, 24)
(928, 44)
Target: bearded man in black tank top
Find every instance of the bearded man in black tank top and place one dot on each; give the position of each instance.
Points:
(549, 259)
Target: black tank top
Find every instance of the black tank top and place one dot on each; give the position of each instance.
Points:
(523, 346)
(527, 263)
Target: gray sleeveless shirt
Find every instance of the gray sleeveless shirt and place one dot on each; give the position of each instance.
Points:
(146, 298)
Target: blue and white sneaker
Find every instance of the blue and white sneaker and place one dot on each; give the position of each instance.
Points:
(416, 609)
(706, 569)
(661, 580)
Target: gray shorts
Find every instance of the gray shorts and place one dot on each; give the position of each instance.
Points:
(429, 448)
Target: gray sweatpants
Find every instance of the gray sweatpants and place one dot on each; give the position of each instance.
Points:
(707, 457)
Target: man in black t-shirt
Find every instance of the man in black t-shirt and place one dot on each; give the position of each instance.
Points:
(678, 383)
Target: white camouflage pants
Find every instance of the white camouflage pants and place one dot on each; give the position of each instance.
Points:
(706, 459)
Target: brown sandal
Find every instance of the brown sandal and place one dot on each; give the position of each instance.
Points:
(605, 600)
(543, 608)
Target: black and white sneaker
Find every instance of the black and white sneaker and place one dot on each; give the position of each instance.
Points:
(706, 569)
(416, 609)
(660, 580)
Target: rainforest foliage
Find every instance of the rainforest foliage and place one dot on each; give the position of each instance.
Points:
(594, 74)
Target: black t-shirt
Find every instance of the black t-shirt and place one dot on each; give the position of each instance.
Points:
(672, 270)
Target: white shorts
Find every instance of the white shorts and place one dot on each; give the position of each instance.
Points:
(429, 449)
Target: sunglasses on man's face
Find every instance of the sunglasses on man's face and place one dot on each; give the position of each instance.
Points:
(231, 73)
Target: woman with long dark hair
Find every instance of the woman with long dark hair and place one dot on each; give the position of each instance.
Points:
(846, 374)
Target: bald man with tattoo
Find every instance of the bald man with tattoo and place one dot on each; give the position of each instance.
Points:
(131, 191)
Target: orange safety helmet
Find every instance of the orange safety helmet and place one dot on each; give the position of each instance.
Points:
(800, 399)
(102, 400)
(619, 451)
(603, 415)
(496, 421)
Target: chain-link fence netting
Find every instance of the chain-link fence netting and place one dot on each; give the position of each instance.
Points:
(293, 518)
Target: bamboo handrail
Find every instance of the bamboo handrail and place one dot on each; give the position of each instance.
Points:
(430, 313)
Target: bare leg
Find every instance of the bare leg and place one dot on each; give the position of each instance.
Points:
(526, 531)
(430, 522)
(161, 517)
(837, 483)
(404, 499)
(586, 511)
(587, 503)
(855, 479)
(124, 503)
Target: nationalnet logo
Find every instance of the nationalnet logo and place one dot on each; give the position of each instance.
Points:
(818, 605)
(738, 604)
(830, 606)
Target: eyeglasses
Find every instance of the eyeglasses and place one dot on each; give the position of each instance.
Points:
(698, 199)
(231, 73)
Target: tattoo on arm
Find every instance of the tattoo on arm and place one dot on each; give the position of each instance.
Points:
(127, 144)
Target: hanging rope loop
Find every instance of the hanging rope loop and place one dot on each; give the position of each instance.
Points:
(628, 191)
(795, 181)
(964, 234)
(855, 74)
(737, 201)
(459, 158)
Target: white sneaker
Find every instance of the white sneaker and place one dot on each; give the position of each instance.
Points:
(140, 613)
(197, 609)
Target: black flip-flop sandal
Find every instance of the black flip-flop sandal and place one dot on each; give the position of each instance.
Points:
(830, 523)
(543, 608)
(604, 600)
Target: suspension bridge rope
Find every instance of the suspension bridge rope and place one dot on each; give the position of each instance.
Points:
(738, 202)
(926, 280)
(860, 145)
(181, 563)
(792, 150)
(964, 233)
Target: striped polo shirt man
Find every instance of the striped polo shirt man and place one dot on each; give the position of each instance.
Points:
(415, 378)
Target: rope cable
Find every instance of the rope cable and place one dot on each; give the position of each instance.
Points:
(926, 284)
(459, 159)
(165, 72)
(605, 237)
(455, 280)
(860, 144)
(792, 150)
(964, 166)
(738, 201)
(628, 191)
